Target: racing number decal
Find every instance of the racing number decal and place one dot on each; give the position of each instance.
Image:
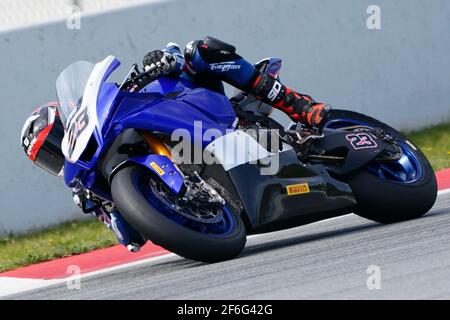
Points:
(361, 141)
(77, 125)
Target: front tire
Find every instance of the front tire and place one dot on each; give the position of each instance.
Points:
(379, 198)
(146, 215)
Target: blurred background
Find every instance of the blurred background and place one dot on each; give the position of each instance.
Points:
(390, 61)
(21, 13)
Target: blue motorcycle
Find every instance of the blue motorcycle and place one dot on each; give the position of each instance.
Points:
(196, 172)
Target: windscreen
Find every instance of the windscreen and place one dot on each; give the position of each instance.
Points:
(70, 87)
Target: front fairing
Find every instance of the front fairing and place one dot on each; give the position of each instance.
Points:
(79, 178)
(96, 103)
(88, 116)
(164, 105)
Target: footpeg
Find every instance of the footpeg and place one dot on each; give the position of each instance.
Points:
(303, 135)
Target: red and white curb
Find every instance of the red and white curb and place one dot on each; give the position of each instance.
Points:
(103, 261)
(443, 178)
(66, 270)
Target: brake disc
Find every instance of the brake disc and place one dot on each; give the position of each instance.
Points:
(200, 212)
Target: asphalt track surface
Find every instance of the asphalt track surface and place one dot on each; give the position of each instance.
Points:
(325, 260)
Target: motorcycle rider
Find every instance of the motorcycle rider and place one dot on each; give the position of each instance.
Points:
(207, 63)
(210, 61)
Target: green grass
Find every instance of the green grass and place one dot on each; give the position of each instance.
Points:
(435, 144)
(60, 241)
(79, 237)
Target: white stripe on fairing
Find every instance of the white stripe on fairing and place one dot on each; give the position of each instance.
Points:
(88, 102)
(238, 147)
(10, 286)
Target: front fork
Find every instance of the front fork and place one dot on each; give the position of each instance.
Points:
(188, 188)
(195, 188)
(192, 188)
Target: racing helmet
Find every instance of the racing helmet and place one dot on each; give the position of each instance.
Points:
(41, 138)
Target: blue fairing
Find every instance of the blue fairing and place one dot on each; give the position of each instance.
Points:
(71, 171)
(106, 96)
(220, 111)
(168, 85)
(156, 112)
(164, 105)
(168, 173)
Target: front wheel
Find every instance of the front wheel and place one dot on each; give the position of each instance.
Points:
(390, 191)
(202, 234)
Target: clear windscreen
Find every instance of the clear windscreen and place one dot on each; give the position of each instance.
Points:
(70, 87)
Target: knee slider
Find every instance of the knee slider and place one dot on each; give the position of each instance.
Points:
(213, 50)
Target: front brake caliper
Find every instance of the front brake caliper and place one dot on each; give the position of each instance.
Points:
(198, 190)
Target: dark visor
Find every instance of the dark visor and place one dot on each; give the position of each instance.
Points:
(50, 156)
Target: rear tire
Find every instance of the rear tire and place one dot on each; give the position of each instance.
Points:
(154, 225)
(386, 201)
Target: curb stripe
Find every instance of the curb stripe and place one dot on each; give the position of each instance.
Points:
(87, 262)
(117, 255)
(443, 178)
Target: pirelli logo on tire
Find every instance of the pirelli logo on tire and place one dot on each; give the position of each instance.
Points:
(295, 189)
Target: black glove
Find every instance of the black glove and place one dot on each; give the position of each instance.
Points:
(159, 62)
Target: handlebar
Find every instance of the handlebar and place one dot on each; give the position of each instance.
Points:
(150, 69)
(136, 76)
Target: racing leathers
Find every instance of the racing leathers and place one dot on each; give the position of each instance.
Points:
(210, 61)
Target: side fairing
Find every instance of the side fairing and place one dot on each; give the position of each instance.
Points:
(194, 112)
(212, 104)
(269, 205)
(169, 86)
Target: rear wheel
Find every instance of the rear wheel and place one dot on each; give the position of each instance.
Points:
(390, 191)
(202, 234)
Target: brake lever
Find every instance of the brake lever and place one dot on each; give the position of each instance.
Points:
(154, 67)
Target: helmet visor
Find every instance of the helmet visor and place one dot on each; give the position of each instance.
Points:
(50, 156)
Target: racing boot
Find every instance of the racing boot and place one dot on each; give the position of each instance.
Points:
(125, 234)
(301, 108)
